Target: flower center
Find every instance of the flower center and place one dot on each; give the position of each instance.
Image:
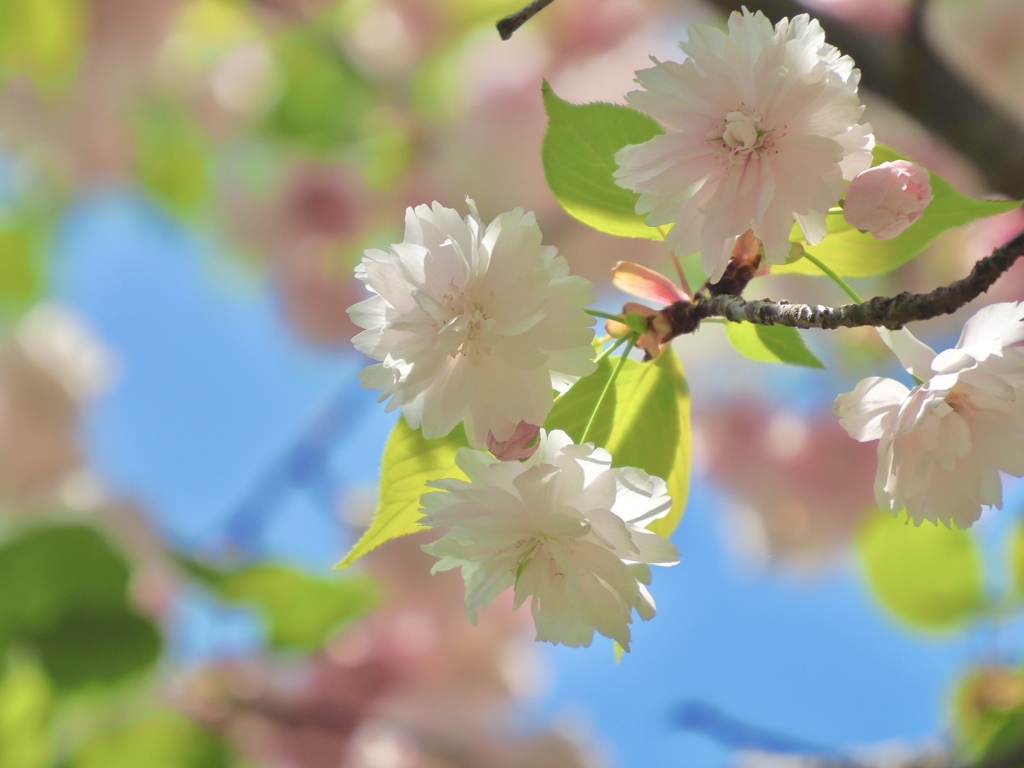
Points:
(742, 135)
(469, 331)
(741, 132)
(960, 401)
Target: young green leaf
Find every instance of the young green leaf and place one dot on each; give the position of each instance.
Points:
(409, 461)
(852, 253)
(644, 422)
(579, 159)
(927, 576)
(771, 344)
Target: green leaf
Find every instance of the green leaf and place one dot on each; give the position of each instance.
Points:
(173, 158)
(1016, 557)
(71, 606)
(87, 648)
(22, 244)
(164, 740)
(26, 705)
(409, 461)
(579, 158)
(644, 422)
(852, 253)
(301, 610)
(989, 713)
(927, 576)
(323, 100)
(42, 40)
(771, 344)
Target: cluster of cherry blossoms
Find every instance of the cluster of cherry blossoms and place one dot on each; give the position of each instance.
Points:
(481, 325)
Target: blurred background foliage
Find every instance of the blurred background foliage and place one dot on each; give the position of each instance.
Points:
(290, 135)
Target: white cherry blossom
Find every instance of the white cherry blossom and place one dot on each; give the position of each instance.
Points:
(943, 443)
(763, 129)
(472, 323)
(563, 528)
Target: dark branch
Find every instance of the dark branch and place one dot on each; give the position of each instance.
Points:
(508, 25)
(883, 311)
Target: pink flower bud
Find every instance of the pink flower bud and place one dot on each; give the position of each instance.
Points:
(888, 198)
(517, 446)
(645, 283)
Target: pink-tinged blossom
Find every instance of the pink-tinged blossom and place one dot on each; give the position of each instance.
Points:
(888, 198)
(942, 444)
(763, 129)
(521, 445)
(563, 528)
(472, 323)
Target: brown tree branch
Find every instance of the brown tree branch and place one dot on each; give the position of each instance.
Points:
(882, 311)
(512, 22)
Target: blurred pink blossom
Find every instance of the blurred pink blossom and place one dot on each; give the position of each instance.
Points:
(799, 485)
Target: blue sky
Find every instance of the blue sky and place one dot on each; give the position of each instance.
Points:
(213, 389)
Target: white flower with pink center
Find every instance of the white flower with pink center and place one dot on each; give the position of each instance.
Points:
(942, 444)
(763, 130)
(472, 323)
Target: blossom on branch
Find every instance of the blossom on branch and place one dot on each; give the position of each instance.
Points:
(562, 527)
(647, 284)
(763, 130)
(942, 444)
(888, 198)
(472, 323)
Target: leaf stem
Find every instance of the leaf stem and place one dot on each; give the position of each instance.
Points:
(633, 337)
(611, 348)
(605, 315)
(845, 286)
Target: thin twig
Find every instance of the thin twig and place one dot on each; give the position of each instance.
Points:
(512, 22)
(882, 311)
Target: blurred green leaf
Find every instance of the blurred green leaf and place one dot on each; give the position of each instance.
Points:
(323, 101)
(1007, 735)
(1016, 542)
(42, 40)
(96, 647)
(771, 344)
(173, 158)
(68, 603)
(301, 609)
(644, 422)
(409, 461)
(22, 243)
(164, 740)
(989, 710)
(852, 253)
(579, 158)
(26, 704)
(927, 576)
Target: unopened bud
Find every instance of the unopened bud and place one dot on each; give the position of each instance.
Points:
(521, 445)
(888, 198)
